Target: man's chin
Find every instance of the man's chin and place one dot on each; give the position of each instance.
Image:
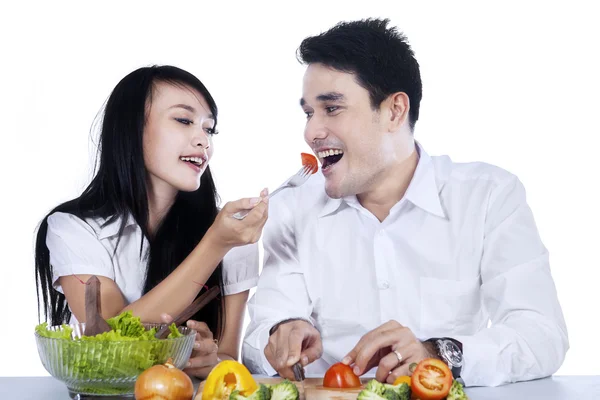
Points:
(333, 190)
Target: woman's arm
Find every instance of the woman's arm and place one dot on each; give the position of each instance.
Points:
(229, 345)
(171, 296)
(182, 286)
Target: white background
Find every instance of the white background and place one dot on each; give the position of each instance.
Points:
(514, 84)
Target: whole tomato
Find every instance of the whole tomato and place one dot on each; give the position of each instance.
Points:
(340, 376)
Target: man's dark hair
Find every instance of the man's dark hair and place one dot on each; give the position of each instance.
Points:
(380, 57)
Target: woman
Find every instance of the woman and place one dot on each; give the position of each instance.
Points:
(148, 224)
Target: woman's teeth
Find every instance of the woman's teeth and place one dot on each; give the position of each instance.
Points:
(195, 160)
(327, 153)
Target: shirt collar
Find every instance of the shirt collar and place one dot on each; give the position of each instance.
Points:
(110, 228)
(422, 191)
(331, 206)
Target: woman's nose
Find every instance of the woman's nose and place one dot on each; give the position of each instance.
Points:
(201, 139)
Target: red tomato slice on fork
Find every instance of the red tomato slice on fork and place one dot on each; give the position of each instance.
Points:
(308, 160)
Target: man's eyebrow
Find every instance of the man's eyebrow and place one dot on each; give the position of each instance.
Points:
(329, 96)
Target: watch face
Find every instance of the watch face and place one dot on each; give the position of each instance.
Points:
(451, 352)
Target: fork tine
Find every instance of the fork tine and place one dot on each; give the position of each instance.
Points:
(306, 171)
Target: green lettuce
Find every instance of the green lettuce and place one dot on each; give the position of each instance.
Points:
(125, 351)
(64, 332)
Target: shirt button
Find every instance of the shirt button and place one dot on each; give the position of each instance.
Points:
(384, 285)
(381, 232)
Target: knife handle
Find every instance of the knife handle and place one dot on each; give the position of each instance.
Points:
(298, 372)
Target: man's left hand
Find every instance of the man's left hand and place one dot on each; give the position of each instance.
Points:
(392, 348)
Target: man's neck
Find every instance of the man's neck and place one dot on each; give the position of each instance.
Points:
(390, 187)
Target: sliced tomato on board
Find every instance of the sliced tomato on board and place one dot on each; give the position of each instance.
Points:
(340, 376)
(431, 380)
(308, 160)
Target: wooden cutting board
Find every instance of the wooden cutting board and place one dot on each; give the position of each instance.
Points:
(313, 389)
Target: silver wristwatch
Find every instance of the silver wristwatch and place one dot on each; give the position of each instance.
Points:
(451, 353)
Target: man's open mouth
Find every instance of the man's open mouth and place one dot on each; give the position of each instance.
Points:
(329, 157)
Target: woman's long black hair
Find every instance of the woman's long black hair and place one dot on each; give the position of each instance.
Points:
(119, 188)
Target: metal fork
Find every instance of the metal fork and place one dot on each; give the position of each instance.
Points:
(295, 180)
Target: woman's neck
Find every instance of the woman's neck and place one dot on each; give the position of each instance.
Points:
(161, 197)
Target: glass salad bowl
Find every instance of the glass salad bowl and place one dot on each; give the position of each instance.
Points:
(109, 364)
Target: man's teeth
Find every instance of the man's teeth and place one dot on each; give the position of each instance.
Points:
(196, 160)
(327, 153)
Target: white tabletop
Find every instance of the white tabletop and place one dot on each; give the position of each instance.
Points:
(554, 388)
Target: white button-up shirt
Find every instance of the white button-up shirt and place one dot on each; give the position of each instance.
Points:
(459, 256)
(87, 246)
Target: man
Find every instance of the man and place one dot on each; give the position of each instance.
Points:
(391, 256)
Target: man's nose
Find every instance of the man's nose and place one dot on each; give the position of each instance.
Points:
(314, 131)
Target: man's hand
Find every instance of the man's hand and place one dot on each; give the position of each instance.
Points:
(380, 347)
(293, 341)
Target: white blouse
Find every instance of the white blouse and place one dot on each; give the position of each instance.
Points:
(86, 247)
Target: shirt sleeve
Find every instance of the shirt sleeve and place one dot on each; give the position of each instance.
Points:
(240, 269)
(75, 249)
(527, 338)
(281, 292)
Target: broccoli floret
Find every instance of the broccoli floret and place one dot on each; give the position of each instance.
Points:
(262, 393)
(368, 395)
(374, 386)
(284, 390)
(402, 390)
(457, 392)
(376, 390)
(235, 395)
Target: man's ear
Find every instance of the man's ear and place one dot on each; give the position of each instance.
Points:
(398, 105)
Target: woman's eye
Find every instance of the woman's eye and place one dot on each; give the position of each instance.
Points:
(211, 131)
(184, 121)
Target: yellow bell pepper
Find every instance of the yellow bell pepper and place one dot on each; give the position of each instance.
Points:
(402, 379)
(226, 377)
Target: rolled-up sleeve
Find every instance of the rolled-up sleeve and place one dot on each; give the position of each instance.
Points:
(75, 249)
(528, 337)
(240, 269)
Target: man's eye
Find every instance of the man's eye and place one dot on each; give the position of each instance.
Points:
(331, 109)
